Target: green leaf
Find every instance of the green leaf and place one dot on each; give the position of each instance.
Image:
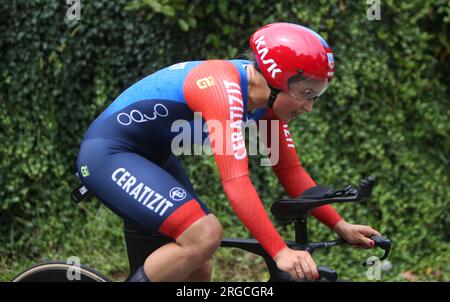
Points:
(168, 10)
(183, 24)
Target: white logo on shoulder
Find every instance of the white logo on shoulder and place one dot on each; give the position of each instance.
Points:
(177, 194)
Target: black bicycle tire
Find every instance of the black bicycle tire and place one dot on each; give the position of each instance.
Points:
(47, 271)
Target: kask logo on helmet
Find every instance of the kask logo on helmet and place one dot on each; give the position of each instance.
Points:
(263, 52)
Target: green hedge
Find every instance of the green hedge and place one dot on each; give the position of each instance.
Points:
(386, 114)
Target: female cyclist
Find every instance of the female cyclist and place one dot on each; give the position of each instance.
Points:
(126, 160)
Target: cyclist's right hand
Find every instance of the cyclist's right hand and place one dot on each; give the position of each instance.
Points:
(299, 264)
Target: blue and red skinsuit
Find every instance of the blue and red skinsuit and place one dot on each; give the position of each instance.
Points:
(126, 158)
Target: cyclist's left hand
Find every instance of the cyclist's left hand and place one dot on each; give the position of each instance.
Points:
(356, 235)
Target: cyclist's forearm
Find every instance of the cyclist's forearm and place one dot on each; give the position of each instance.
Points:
(327, 215)
(246, 203)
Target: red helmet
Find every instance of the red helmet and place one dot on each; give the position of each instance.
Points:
(283, 50)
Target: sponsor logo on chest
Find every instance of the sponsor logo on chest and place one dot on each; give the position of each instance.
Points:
(236, 109)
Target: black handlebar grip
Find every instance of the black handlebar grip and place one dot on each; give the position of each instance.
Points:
(327, 273)
(381, 242)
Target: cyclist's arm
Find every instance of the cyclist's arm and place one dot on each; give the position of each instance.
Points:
(219, 100)
(291, 173)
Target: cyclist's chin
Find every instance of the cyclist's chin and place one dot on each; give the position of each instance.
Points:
(292, 115)
(288, 115)
(286, 118)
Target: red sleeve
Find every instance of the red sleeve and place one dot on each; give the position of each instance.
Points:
(213, 88)
(290, 172)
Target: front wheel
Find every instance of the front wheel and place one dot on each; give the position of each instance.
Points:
(59, 271)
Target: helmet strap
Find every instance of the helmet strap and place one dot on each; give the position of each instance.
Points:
(272, 97)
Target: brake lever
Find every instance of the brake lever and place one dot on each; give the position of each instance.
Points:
(383, 243)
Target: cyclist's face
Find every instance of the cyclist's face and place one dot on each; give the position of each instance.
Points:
(300, 98)
(307, 89)
(287, 107)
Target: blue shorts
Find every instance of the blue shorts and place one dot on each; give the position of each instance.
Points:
(149, 190)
